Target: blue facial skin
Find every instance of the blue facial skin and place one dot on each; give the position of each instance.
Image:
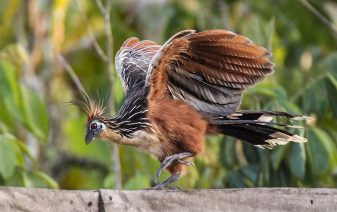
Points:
(92, 130)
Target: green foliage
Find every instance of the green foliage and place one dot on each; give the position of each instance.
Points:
(41, 138)
(19, 106)
(8, 159)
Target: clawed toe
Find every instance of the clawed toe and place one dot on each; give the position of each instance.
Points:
(166, 163)
(186, 163)
(157, 187)
(157, 174)
(163, 185)
(177, 158)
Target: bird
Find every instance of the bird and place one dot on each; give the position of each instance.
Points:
(179, 92)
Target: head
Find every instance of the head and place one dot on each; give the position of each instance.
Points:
(95, 118)
(93, 129)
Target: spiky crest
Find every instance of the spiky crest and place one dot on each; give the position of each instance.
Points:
(94, 109)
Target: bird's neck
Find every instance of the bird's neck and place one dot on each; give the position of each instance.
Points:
(113, 136)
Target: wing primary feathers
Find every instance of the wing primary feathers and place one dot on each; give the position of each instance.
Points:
(208, 70)
(132, 61)
(210, 65)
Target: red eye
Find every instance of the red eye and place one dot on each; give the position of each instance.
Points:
(93, 126)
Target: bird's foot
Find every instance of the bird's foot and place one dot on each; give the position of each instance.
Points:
(173, 159)
(186, 163)
(163, 185)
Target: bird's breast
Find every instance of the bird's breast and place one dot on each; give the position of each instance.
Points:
(149, 142)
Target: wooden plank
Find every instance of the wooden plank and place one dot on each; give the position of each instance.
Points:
(44, 200)
(247, 199)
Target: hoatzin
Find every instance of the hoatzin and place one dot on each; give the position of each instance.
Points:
(178, 93)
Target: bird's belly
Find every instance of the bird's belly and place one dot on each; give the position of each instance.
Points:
(148, 142)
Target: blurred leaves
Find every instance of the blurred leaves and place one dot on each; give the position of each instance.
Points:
(138, 181)
(21, 103)
(321, 151)
(8, 152)
(21, 108)
(277, 156)
(46, 179)
(32, 105)
(297, 160)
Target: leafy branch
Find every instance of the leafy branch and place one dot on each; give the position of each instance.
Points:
(71, 73)
(320, 16)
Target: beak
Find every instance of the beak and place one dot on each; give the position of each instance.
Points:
(89, 136)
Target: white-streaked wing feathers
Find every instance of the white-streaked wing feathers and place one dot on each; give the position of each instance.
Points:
(132, 61)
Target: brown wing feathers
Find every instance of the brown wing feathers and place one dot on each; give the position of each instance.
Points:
(210, 68)
(228, 58)
(145, 46)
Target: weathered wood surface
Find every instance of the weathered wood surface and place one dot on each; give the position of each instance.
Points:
(249, 199)
(29, 199)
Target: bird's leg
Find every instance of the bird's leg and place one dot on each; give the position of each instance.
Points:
(173, 159)
(174, 177)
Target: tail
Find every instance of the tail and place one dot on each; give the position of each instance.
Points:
(257, 129)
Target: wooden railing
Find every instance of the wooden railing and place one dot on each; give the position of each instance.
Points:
(247, 199)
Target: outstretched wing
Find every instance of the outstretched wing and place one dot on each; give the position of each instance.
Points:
(209, 69)
(132, 61)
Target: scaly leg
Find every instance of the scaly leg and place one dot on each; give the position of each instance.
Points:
(172, 159)
(174, 177)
